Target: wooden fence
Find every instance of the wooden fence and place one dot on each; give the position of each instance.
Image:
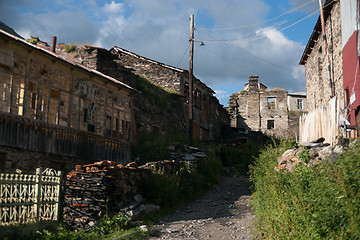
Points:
(16, 131)
(321, 122)
(26, 198)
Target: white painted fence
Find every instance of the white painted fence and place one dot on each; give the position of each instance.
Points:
(26, 198)
(321, 122)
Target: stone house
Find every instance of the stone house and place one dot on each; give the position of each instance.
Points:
(258, 109)
(323, 64)
(322, 59)
(56, 113)
(208, 114)
(297, 102)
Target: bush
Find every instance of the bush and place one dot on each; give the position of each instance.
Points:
(153, 146)
(238, 158)
(322, 202)
(171, 190)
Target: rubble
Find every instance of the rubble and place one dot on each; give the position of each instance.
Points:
(317, 151)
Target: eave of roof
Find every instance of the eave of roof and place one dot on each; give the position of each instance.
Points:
(54, 55)
(316, 32)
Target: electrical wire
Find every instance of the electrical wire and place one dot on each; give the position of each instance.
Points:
(183, 55)
(256, 24)
(248, 38)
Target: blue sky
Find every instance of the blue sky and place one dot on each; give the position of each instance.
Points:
(242, 37)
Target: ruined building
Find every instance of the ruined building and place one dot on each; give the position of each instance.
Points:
(258, 109)
(56, 113)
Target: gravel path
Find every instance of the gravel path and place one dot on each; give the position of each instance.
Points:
(222, 213)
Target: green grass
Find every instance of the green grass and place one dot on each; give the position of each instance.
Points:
(321, 202)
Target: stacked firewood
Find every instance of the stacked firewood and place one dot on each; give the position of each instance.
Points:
(93, 190)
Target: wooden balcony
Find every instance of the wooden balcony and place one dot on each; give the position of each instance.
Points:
(19, 132)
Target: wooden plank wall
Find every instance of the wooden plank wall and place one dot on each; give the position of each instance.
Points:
(321, 122)
(19, 132)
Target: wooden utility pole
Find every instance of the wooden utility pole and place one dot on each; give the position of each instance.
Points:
(191, 39)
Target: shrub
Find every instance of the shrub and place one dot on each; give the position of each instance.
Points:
(239, 158)
(321, 202)
(171, 190)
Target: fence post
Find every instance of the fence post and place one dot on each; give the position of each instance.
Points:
(38, 192)
(60, 197)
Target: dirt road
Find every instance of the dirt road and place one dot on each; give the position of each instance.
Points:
(222, 213)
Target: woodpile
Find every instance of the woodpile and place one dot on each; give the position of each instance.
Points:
(93, 190)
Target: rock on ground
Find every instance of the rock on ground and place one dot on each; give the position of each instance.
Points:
(222, 213)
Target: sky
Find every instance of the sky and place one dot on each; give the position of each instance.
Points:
(241, 38)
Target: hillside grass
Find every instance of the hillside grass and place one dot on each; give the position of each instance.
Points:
(321, 202)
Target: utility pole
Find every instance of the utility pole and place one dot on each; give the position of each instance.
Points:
(191, 55)
(332, 90)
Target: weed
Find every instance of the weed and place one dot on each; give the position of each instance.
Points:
(70, 47)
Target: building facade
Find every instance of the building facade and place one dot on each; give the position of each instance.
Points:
(208, 115)
(56, 113)
(258, 109)
(323, 60)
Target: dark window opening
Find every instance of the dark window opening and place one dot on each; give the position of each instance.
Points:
(270, 124)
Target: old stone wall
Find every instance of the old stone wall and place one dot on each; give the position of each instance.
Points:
(317, 74)
(295, 105)
(162, 104)
(277, 114)
(258, 109)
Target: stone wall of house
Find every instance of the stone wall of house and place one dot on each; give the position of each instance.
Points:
(278, 114)
(258, 109)
(293, 104)
(160, 74)
(27, 161)
(318, 89)
(162, 104)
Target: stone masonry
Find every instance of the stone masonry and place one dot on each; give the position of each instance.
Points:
(321, 83)
(259, 109)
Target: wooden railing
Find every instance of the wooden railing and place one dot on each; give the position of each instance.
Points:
(16, 131)
(26, 198)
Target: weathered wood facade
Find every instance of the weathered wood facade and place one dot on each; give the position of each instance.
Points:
(51, 105)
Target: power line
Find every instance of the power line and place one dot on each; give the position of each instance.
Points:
(249, 53)
(248, 39)
(256, 24)
(183, 55)
(225, 9)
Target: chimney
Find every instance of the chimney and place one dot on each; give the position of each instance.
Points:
(253, 83)
(53, 44)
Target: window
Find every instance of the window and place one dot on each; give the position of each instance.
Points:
(271, 102)
(270, 124)
(299, 103)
